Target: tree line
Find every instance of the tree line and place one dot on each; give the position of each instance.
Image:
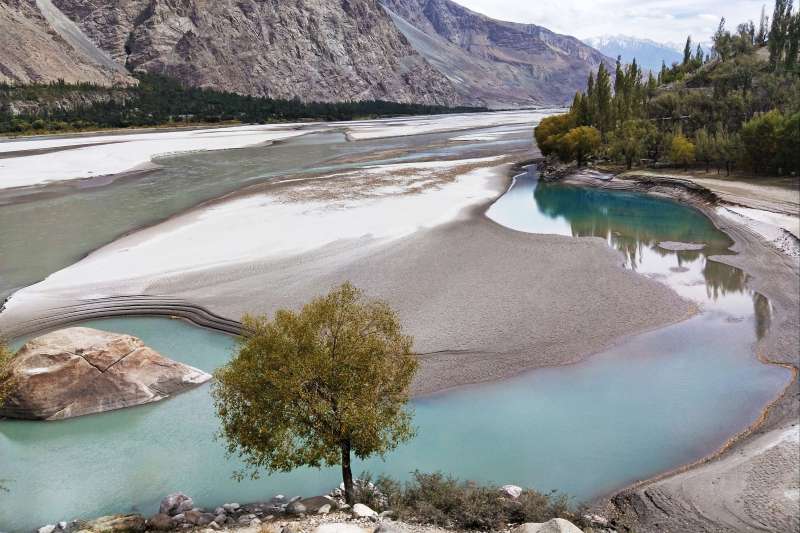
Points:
(158, 100)
(735, 107)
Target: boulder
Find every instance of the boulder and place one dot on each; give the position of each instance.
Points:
(296, 508)
(325, 509)
(129, 523)
(81, 371)
(362, 511)
(175, 504)
(46, 529)
(556, 525)
(313, 505)
(198, 518)
(160, 522)
(512, 491)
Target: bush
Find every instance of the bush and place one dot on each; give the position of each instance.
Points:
(444, 501)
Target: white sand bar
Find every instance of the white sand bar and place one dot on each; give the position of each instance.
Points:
(113, 154)
(380, 202)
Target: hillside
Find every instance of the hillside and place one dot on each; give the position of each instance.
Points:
(36, 46)
(496, 63)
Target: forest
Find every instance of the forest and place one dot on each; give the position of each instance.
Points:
(161, 101)
(735, 108)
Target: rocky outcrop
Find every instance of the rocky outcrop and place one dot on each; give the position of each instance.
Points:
(34, 50)
(311, 49)
(80, 371)
(495, 63)
(556, 525)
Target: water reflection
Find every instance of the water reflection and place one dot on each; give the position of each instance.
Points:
(635, 224)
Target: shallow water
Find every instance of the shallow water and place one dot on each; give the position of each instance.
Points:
(652, 403)
(48, 232)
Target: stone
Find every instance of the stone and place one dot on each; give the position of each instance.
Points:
(220, 518)
(681, 246)
(296, 508)
(176, 503)
(47, 529)
(62, 526)
(339, 527)
(388, 527)
(219, 511)
(255, 522)
(512, 491)
(198, 518)
(80, 371)
(325, 509)
(314, 504)
(230, 507)
(362, 511)
(160, 522)
(128, 523)
(556, 525)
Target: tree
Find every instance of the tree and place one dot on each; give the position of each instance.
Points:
(687, 51)
(602, 105)
(629, 140)
(779, 32)
(549, 131)
(314, 387)
(704, 147)
(579, 143)
(763, 28)
(761, 140)
(681, 150)
(729, 149)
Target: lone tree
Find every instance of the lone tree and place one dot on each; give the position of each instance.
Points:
(314, 387)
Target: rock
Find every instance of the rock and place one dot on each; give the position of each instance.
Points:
(176, 503)
(596, 520)
(388, 527)
(255, 522)
(230, 507)
(556, 525)
(129, 523)
(160, 522)
(47, 529)
(512, 491)
(325, 509)
(314, 504)
(220, 518)
(362, 511)
(198, 518)
(681, 246)
(339, 527)
(219, 511)
(296, 508)
(62, 526)
(80, 371)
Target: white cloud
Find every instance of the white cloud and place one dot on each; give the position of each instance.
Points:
(659, 20)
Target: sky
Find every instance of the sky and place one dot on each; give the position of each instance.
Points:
(659, 20)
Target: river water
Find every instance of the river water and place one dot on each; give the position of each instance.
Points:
(653, 402)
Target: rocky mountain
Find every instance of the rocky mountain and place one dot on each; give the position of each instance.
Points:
(314, 49)
(499, 64)
(649, 54)
(39, 44)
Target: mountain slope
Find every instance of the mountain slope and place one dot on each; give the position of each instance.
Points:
(649, 54)
(495, 63)
(38, 46)
(312, 49)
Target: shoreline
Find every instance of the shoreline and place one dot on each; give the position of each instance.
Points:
(637, 505)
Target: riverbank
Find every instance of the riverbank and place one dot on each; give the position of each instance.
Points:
(751, 483)
(384, 230)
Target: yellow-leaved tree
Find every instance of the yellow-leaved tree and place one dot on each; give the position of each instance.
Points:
(317, 386)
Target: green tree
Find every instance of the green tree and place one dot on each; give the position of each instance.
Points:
(761, 140)
(681, 150)
(729, 149)
(705, 148)
(549, 131)
(687, 51)
(602, 104)
(629, 140)
(789, 154)
(314, 387)
(579, 143)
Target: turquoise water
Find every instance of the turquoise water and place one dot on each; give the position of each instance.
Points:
(652, 403)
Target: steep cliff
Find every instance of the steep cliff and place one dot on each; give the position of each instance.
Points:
(314, 49)
(36, 45)
(493, 62)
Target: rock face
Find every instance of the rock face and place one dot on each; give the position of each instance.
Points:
(36, 47)
(312, 49)
(81, 371)
(495, 63)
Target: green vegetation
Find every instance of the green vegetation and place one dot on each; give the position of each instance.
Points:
(159, 101)
(446, 502)
(311, 388)
(737, 107)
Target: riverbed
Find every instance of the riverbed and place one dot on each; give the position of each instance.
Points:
(645, 404)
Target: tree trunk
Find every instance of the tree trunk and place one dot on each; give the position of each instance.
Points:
(347, 474)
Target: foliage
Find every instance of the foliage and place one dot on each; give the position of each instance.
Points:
(580, 143)
(446, 502)
(681, 150)
(310, 388)
(5, 358)
(550, 130)
(159, 100)
(697, 110)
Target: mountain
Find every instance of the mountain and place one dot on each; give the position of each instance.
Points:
(649, 54)
(313, 49)
(495, 63)
(39, 44)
